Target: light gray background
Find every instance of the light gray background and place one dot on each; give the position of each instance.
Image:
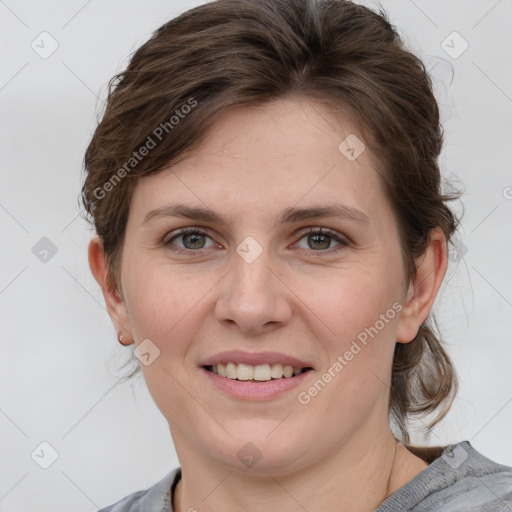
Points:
(59, 354)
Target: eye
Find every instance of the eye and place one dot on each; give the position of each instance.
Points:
(320, 239)
(192, 239)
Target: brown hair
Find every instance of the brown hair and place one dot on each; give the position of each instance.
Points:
(231, 53)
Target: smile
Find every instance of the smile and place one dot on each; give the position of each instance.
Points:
(261, 372)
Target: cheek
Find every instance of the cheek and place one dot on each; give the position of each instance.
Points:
(352, 300)
(165, 308)
(359, 314)
(363, 317)
(160, 299)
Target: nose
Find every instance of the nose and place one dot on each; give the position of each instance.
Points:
(253, 298)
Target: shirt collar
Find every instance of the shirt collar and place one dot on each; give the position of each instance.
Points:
(158, 498)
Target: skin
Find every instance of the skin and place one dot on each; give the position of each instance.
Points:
(298, 297)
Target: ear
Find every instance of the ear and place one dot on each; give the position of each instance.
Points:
(421, 295)
(115, 303)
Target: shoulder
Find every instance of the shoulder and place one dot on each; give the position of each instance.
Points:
(474, 482)
(157, 498)
(460, 480)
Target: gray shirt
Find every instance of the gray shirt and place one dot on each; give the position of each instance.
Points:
(458, 479)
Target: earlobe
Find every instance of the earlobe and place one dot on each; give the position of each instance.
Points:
(115, 304)
(431, 268)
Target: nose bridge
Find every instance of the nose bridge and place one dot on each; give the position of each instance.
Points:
(250, 280)
(251, 271)
(252, 296)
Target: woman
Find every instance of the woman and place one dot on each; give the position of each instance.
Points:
(271, 237)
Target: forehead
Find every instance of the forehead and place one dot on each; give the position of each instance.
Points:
(272, 156)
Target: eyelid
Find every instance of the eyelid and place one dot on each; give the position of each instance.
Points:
(324, 231)
(183, 231)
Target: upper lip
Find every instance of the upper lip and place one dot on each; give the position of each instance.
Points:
(254, 359)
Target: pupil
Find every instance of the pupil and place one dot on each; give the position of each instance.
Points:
(194, 237)
(317, 237)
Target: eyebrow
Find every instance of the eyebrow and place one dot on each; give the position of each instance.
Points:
(289, 215)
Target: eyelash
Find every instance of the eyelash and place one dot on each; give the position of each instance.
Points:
(313, 231)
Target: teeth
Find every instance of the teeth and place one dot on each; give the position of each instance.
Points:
(276, 371)
(245, 372)
(221, 369)
(262, 372)
(231, 371)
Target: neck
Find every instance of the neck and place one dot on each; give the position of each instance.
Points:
(356, 478)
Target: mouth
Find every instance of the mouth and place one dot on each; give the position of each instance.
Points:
(256, 376)
(257, 373)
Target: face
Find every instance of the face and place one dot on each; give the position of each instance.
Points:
(256, 276)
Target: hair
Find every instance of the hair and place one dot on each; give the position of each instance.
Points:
(234, 53)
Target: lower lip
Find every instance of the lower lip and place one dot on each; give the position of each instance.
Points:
(252, 390)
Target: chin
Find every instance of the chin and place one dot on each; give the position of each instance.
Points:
(263, 449)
